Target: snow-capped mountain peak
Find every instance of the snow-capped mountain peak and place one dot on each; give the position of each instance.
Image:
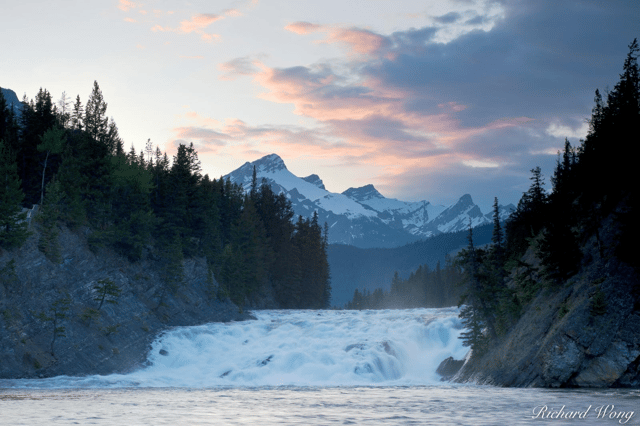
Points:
(269, 164)
(361, 216)
(459, 216)
(363, 193)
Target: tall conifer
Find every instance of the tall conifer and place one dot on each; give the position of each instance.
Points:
(13, 225)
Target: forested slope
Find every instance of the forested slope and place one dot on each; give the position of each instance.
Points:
(100, 249)
(70, 160)
(555, 300)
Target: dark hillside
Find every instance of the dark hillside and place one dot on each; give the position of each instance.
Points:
(555, 299)
(87, 337)
(355, 268)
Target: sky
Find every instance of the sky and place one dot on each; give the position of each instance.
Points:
(426, 100)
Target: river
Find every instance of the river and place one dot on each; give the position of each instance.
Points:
(305, 368)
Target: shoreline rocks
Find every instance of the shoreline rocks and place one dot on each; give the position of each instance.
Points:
(113, 339)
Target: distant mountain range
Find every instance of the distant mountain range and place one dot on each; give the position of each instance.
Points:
(367, 269)
(363, 217)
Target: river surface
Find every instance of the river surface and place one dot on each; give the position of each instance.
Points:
(305, 368)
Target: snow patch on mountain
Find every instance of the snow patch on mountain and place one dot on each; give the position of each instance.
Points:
(363, 216)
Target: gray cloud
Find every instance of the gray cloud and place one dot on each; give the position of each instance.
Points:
(543, 59)
(448, 18)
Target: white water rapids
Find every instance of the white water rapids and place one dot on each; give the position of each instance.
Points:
(302, 348)
(315, 368)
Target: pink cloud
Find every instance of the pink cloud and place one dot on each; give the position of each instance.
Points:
(125, 5)
(366, 122)
(303, 27)
(357, 40)
(198, 23)
(235, 136)
(397, 129)
(361, 41)
(396, 150)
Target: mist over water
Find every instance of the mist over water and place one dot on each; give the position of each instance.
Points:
(301, 348)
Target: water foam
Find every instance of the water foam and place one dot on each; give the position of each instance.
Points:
(304, 348)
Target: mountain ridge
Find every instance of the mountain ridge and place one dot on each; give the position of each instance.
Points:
(362, 216)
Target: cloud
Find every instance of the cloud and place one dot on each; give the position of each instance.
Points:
(361, 41)
(481, 109)
(448, 18)
(357, 40)
(372, 122)
(235, 136)
(238, 67)
(196, 24)
(576, 129)
(303, 27)
(199, 22)
(476, 20)
(126, 5)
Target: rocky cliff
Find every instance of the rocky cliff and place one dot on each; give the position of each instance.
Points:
(585, 333)
(50, 323)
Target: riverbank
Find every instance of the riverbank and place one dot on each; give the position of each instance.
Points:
(51, 321)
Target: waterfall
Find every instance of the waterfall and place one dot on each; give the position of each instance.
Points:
(301, 348)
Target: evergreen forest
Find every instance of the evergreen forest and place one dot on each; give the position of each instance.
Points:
(65, 162)
(590, 214)
(424, 288)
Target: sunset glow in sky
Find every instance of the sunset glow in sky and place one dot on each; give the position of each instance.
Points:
(427, 100)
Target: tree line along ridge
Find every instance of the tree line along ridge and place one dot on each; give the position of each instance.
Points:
(69, 159)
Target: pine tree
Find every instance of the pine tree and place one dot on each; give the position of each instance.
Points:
(106, 291)
(529, 218)
(113, 141)
(57, 313)
(13, 224)
(36, 118)
(558, 247)
(77, 115)
(253, 192)
(479, 302)
(96, 121)
(182, 183)
(497, 237)
(132, 218)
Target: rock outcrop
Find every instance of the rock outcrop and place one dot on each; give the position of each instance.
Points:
(449, 367)
(114, 338)
(585, 333)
